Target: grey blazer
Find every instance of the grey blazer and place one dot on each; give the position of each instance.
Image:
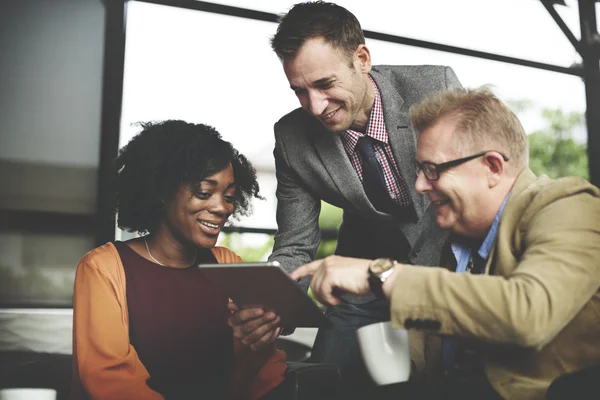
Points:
(312, 165)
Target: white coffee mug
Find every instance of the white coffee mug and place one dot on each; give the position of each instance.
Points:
(386, 352)
(27, 394)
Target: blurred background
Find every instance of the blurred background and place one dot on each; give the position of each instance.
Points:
(77, 75)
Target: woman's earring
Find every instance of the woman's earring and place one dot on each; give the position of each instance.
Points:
(160, 204)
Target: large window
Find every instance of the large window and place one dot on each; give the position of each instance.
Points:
(216, 69)
(220, 70)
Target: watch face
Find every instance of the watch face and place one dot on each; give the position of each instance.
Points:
(381, 265)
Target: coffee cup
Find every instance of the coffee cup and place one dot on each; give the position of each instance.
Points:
(385, 352)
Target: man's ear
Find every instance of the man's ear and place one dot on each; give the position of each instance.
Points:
(496, 167)
(362, 55)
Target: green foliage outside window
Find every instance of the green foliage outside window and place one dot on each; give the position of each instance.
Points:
(553, 151)
(330, 219)
(247, 253)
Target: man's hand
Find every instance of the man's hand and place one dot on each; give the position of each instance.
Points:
(254, 327)
(333, 274)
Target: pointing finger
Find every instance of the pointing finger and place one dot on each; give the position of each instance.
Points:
(305, 270)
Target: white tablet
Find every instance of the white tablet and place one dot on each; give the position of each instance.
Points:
(266, 285)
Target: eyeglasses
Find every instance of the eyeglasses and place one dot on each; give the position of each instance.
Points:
(433, 171)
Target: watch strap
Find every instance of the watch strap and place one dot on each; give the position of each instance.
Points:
(379, 270)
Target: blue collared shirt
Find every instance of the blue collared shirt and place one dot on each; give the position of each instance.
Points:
(462, 253)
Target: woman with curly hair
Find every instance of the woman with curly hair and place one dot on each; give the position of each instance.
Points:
(146, 323)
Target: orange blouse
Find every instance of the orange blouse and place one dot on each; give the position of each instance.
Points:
(105, 364)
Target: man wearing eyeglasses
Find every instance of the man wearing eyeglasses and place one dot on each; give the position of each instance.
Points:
(516, 302)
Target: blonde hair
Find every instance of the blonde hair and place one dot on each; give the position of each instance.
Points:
(481, 120)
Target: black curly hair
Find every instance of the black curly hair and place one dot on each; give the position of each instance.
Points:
(167, 154)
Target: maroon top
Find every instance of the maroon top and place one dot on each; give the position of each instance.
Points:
(178, 326)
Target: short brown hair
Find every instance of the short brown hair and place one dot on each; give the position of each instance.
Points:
(482, 120)
(338, 26)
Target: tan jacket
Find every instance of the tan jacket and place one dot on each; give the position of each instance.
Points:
(536, 312)
(105, 364)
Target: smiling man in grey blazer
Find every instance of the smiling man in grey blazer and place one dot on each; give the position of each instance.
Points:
(343, 99)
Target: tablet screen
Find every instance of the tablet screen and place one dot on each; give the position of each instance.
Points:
(266, 285)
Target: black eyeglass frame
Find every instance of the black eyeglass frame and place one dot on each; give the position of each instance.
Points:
(428, 167)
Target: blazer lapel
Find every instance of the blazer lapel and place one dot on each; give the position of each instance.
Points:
(508, 223)
(331, 152)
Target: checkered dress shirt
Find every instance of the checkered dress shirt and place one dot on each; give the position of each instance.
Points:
(376, 129)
